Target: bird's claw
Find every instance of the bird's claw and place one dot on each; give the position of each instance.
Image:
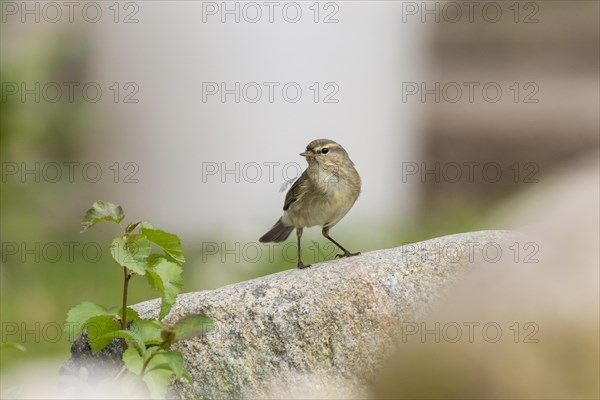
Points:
(302, 266)
(347, 254)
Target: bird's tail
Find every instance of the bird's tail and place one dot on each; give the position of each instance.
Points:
(278, 233)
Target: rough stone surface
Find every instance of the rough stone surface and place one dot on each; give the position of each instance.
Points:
(104, 364)
(323, 329)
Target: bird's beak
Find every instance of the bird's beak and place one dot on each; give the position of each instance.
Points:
(307, 154)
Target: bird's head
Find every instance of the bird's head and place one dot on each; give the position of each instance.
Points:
(326, 153)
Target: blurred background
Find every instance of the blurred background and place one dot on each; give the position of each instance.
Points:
(191, 116)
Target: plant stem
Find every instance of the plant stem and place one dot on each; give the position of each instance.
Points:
(145, 365)
(127, 277)
(121, 372)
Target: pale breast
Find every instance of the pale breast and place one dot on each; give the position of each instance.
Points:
(331, 200)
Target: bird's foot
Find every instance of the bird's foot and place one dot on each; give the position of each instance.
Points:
(347, 254)
(302, 266)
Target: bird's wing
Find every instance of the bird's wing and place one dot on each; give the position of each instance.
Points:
(294, 193)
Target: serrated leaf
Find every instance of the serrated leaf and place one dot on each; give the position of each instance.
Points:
(131, 314)
(101, 211)
(83, 311)
(164, 276)
(169, 242)
(191, 326)
(131, 255)
(102, 330)
(80, 314)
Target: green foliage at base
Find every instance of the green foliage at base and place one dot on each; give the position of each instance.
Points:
(148, 356)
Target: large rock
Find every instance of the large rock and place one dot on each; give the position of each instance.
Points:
(321, 330)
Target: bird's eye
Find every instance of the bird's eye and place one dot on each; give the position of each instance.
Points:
(325, 150)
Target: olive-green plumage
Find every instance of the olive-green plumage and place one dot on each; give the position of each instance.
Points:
(322, 195)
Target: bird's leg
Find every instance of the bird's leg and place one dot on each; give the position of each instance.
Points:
(325, 232)
(300, 263)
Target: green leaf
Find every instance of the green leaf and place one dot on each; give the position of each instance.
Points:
(188, 377)
(81, 313)
(160, 368)
(102, 330)
(101, 211)
(157, 381)
(12, 345)
(131, 339)
(169, 242)
(131, 255)
(147, 331)
(170, 360)
(191, 326)
(164, 276)
(105, 338)
(166, 363)
(131, 314)
(133, 361)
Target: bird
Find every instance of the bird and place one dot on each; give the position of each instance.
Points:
(322, 196)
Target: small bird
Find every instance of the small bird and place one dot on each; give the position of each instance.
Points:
(322, 195)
